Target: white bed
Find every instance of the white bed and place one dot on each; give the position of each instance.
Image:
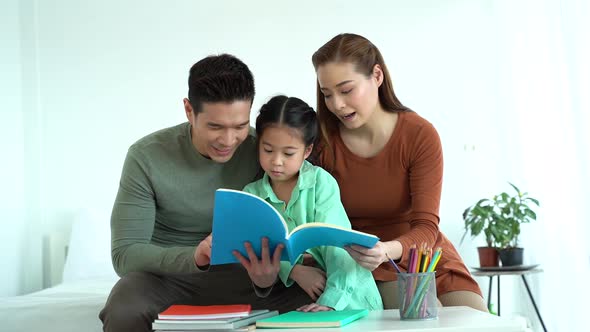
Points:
(74, 304)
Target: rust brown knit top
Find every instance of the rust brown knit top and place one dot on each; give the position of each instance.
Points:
(396, 196)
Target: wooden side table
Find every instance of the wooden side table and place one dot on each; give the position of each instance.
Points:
(499, 271)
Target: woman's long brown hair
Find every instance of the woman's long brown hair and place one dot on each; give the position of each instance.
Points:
(359, 51)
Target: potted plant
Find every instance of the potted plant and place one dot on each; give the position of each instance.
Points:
(500, 219)
(479, 218)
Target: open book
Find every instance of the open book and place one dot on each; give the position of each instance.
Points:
(239, 217)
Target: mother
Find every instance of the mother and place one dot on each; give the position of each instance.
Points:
(389, 165)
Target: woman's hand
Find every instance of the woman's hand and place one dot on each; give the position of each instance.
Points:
(203, 252)
(314, 307)
(311, 279)
(369, 258)
(263, 272)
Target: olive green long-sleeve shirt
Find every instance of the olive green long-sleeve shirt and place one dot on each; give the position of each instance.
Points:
(164, 206)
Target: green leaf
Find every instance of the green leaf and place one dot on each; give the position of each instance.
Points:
(515, 188)
(504, 197)
(531, 214)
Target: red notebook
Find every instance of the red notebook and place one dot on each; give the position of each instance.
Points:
(180, 311)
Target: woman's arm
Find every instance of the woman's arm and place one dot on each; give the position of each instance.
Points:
(425, 170)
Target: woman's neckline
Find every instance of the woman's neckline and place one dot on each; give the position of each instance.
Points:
(392, 137)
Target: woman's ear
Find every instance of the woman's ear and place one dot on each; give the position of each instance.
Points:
(308, 151)
(378, 74)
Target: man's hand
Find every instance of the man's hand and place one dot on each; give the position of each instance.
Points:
(314, 307)
(369, 258)
(311, 279)
(203, 252)
(263, 272)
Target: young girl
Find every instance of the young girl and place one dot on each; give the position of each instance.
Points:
(303, 193)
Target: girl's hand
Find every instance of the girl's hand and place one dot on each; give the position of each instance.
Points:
(263, 272)
(311, 279)
(369, 258)
(314, 307)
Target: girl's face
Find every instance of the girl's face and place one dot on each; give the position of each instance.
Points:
(348, 94)
(282, 152)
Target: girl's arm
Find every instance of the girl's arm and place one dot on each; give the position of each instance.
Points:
(346, 280)
(348, 285)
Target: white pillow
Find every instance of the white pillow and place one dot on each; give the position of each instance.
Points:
(89, 249)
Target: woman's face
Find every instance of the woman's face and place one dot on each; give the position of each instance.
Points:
(349, 95)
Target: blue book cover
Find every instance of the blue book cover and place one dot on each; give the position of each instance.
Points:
(239, 217)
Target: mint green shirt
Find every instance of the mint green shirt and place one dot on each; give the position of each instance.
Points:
(316, 198)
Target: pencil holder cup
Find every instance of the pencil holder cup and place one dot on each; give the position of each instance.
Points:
(417, 296)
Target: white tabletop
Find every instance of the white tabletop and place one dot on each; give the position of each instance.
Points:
(458, 319)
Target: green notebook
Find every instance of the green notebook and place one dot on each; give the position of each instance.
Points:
(296, 319)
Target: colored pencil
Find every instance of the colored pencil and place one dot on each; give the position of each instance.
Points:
(393, 263)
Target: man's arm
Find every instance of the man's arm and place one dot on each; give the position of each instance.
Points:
(132, 226)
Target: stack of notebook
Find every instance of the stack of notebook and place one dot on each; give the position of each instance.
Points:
(236, 317)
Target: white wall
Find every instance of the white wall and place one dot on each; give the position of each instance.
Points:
(100, 75)
(11, 126)
(21, 238)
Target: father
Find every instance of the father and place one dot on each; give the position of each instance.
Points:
(162, 216)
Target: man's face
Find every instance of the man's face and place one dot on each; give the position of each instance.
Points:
(220, 128)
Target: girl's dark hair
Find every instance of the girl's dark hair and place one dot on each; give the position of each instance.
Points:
(290, 112)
